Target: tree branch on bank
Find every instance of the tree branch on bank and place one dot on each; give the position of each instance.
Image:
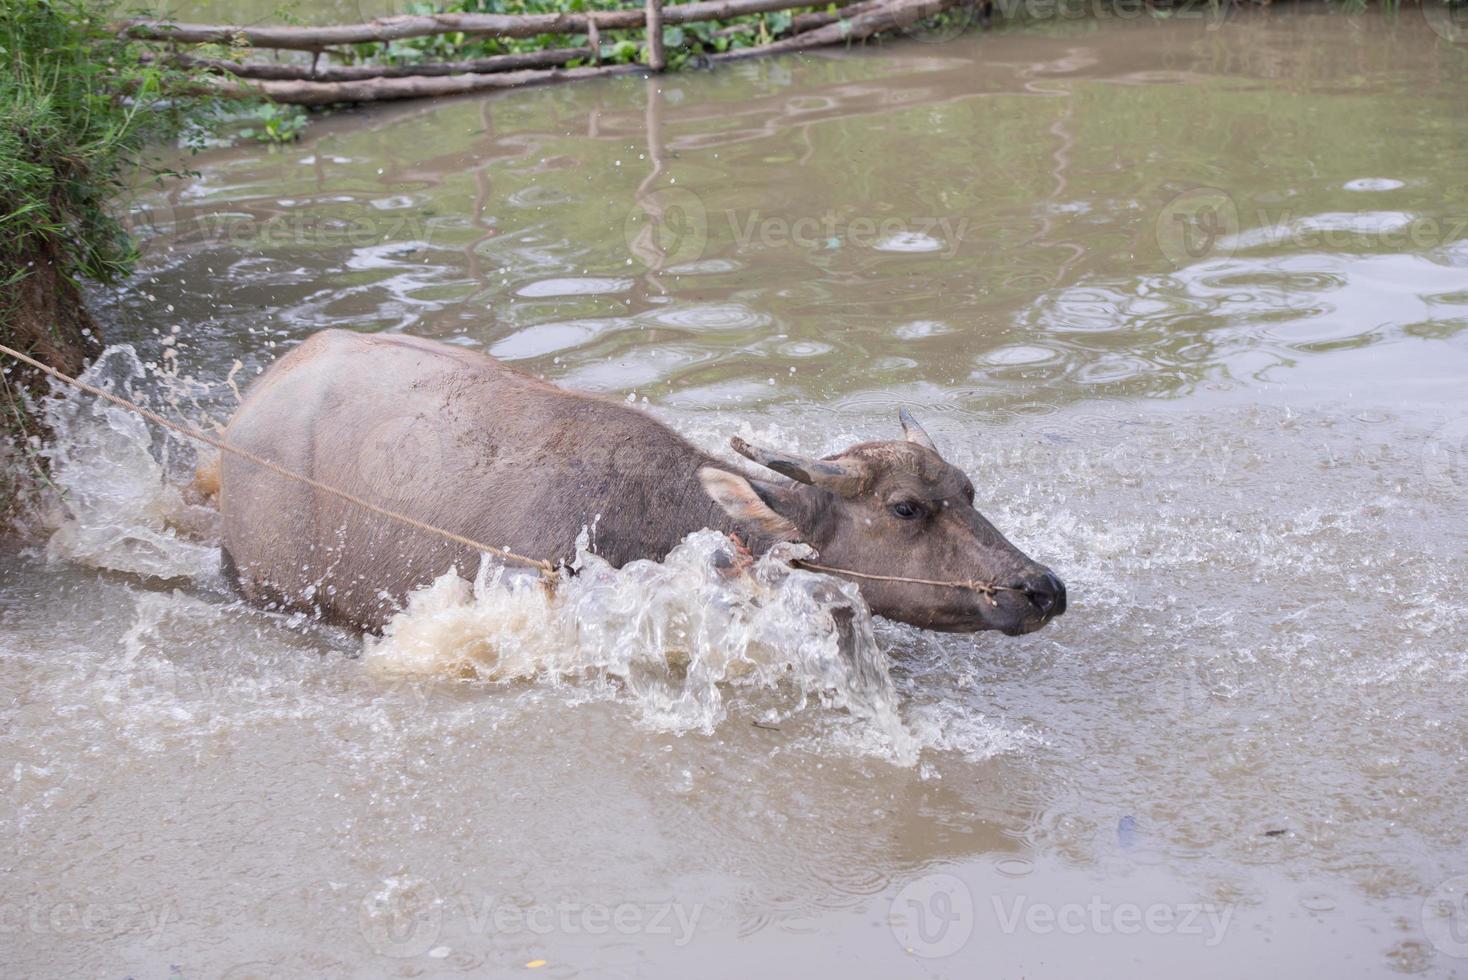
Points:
(381, 87)
(656, 59)
(801, 23)
(406, 26)
(878, 19)
(281, 71)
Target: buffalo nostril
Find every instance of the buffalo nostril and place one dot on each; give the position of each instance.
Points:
(1059, 588)
(1047, 594)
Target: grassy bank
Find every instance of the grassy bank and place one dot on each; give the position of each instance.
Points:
(78, 110)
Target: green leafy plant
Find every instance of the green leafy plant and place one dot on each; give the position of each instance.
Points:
(682, 43)
(277, 124)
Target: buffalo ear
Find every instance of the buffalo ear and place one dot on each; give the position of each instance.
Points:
(742, 502)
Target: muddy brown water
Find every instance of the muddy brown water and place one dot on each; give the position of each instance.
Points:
(1186, 298)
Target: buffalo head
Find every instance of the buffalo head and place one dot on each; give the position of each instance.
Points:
(895, 509)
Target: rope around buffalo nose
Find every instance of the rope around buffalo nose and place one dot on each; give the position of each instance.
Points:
(547, 568)
(987, 589)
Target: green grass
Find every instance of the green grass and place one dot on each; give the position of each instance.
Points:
(80, 112)
(77, 111)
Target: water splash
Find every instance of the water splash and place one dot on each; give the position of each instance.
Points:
(677, 638)
(119, 509)
(707, 637)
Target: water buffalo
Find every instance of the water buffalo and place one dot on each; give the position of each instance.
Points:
(456, 439)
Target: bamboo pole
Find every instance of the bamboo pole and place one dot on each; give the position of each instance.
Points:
(656, 59)
(281, 71)
(295, 38)
(297, 92)
(883, 16)
(549, 58)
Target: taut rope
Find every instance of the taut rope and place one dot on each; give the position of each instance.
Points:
(224, 447)
(986, 589)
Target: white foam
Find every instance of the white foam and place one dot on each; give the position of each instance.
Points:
(673, 638)
(119, 511)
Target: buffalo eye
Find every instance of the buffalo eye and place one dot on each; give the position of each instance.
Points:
(907, 510)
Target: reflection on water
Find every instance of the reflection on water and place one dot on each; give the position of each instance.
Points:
(1044, 222)
(1188, 303)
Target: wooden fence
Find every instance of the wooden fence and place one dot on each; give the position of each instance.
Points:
(325, 80)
